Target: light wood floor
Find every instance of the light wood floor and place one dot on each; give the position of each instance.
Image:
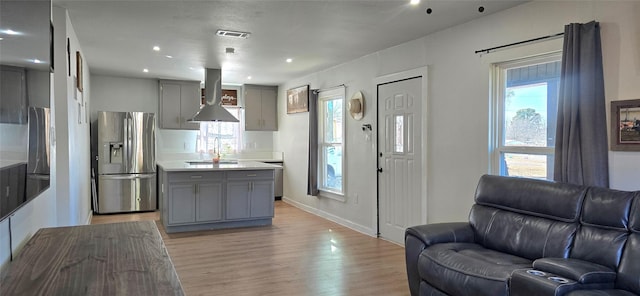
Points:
(300, 254)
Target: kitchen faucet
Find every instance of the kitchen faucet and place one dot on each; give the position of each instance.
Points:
(216, 145)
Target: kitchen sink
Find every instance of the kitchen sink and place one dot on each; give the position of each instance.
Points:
(222, 161)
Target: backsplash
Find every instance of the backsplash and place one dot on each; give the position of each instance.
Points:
(181, 144)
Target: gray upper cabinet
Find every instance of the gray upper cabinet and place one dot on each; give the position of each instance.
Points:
(13, 95)
(179, 101)
(260, 103)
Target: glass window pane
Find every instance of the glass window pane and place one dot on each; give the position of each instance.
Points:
(222, 137)
(333, 172)
(526, 165)
(525, 115)
(333, 121)
(398, 145)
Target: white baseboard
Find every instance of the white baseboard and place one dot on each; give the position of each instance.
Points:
(331, 217)
(89, 218)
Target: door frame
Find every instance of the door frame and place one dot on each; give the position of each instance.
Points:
(391, 78)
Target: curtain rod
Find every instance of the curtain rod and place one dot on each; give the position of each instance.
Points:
(329, 88)
(521, 42)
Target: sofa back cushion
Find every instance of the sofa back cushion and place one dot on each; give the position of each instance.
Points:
(525, 217)
(604, 226)
(629, 270)
(556, 201)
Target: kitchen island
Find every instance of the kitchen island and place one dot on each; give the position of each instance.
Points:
(196, 195)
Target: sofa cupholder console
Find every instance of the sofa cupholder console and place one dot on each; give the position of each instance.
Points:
(523, 282)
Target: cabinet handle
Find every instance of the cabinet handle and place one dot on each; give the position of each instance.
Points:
(8, 191)
(249, 186)
(196, 177)
(251, 175)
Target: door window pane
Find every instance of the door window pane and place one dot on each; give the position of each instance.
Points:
(398, 145)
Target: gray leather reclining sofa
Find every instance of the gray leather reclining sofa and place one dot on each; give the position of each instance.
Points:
(531, 237)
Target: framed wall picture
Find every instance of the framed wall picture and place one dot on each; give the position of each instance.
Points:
(69, 57)
(625, 125)
(230, 97)
(51, 66)
(298, 99)
(79, 71)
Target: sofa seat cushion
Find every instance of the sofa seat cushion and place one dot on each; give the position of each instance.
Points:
(468, 269)
(601, 293)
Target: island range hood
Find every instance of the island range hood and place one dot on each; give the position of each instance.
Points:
(212, 109)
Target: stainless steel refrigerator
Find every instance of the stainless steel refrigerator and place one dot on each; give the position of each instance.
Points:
(38, 170)
(126, 166)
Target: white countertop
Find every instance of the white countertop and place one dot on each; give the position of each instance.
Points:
(184, 166)
(5, 164)
(261, 156)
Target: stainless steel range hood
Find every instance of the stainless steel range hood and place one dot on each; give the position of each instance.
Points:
(212, 110)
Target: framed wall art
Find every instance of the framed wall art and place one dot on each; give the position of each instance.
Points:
(229, 97)
(79, 71)
(625, 125)
(298, 99)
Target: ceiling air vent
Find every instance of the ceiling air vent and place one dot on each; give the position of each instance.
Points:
(233, 34)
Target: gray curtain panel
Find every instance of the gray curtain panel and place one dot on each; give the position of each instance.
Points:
(312, 175)
(581, 152)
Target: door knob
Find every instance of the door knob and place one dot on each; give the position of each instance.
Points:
(379, 170)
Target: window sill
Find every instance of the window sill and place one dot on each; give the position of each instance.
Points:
(332, 195)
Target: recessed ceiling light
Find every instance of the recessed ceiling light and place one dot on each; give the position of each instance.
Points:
(169, 57)
(156, 48)
(10, 32)
(36, 61)
(414, 2)
(289, 60)
(145, 70)
(249, 77)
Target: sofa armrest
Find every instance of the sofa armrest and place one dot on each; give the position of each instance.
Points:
(583, 272)
(418, 238)
(431, 234)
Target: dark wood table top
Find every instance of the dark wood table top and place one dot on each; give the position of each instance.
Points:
(109, 259)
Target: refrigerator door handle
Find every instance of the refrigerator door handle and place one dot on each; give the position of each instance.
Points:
(129, 141)
(125, 144)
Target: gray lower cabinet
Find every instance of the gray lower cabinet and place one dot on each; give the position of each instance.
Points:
(210, 200)
(193, 197)
(250, 194)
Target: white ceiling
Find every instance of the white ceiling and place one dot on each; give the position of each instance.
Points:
(117, 37)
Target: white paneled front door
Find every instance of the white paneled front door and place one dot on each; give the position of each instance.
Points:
(400, 155)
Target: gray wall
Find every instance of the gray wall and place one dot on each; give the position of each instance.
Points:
(458, 84)
(67, 201)
(123, 94)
